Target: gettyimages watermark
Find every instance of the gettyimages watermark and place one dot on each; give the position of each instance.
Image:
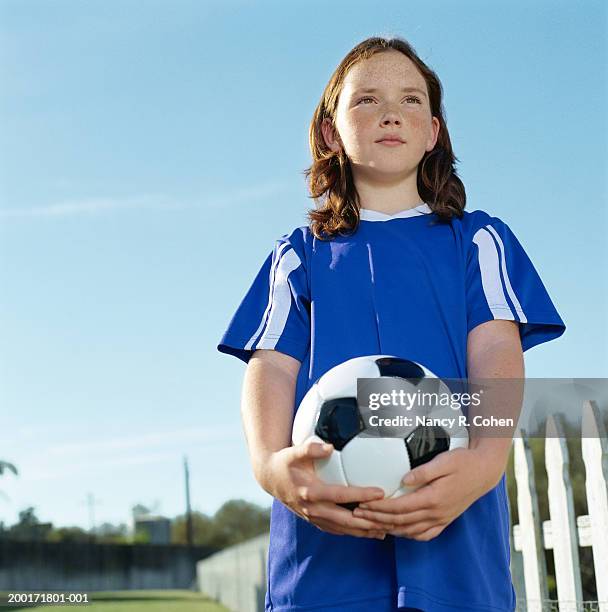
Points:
(489, 407)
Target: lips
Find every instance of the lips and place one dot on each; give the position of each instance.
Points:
(391, 138)
(390, 143)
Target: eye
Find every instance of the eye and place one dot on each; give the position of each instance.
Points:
(415, 98)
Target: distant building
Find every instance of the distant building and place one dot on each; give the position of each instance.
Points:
(158, 528)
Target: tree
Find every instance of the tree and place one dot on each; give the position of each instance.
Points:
(236, 521)
(68, 534)
(29, 527)
(139, 510)
(109, 533)
(5, 465)
(202, 529)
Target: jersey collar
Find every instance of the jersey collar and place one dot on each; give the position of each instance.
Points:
(366, 214)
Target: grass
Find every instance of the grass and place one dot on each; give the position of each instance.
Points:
(131, 601)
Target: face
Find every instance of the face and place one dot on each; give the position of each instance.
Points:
(399, 107)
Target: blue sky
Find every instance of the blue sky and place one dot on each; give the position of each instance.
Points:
(151, 153)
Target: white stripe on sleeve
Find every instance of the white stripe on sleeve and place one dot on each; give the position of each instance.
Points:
(490, 274)
(503, 265)
(279, 300)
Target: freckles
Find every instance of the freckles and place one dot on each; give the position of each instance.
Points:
(418, 123)
(365, 123)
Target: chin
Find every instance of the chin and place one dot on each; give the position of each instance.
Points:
(394, 169)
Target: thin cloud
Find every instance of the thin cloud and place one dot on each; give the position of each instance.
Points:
(62, 460)
(90, 206)
(215, 434)
(43, 471)
(101, 205)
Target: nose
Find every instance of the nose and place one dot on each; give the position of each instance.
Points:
(391, 116)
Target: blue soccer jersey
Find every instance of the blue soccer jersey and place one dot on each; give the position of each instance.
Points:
(412, 286)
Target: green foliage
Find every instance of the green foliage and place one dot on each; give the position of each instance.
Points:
(28, 527)
(141, 537)
(107, 533)
(202, 529)
(236, 521)
(68, 534)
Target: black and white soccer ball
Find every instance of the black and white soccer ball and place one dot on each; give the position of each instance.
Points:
(329, 413)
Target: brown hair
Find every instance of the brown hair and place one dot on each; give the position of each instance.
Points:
(330, 177)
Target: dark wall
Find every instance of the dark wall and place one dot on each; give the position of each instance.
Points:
(80, 566)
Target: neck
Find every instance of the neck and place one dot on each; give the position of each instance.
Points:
(388, 197)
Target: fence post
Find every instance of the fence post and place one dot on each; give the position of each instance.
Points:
(517, 564)
(563, 522)
(595, 455)
(535, 567)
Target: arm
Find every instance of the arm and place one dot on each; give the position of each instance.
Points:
(287, 472)
(494, 352)
(270, 379)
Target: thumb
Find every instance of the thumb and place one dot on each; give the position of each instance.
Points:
(417, 476)
(315, 448)
(438, 466)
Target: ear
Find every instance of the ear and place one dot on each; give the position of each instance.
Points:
(430, 145)
(330, 135)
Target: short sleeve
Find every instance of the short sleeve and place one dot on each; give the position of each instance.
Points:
(275, 312)
(502, 283)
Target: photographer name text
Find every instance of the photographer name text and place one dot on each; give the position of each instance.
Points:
(376, 420)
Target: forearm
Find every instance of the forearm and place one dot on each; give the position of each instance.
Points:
(267, 405)
(500, 368)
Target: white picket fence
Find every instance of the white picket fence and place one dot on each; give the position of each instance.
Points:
(563, 533)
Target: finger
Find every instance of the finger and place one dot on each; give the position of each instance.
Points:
(341, 517)
(431, 533)
(334, 529)
(441, 465)
(420, 499)
(297, 510)
(311, 450)
(327, 527)
(399, 520)
(412, 531)
(300, 514)
(341, 494)
(318, 491)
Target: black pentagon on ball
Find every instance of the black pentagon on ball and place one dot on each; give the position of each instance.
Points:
(339, 421)
(402, 368)
(426, 442)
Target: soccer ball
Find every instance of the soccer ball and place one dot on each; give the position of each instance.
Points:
(329, 413)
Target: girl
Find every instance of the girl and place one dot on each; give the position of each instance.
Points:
(390, 264)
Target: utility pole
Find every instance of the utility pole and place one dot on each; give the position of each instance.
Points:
(91, 502)
(188, 510)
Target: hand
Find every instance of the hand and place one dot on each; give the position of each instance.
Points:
(449, 484)
(294, 482)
